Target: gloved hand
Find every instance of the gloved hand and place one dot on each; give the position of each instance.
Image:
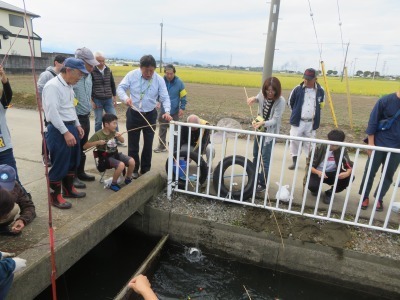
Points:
(6, 254)
(19, 263)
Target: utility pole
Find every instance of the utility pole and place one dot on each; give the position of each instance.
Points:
(376, 64)
(383, 69)
(161, 24)
(271, 40)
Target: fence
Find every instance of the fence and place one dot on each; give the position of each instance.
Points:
(234, 179)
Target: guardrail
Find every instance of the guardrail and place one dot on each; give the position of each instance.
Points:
(231, 177)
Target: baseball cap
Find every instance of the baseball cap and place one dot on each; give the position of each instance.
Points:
(309, 74)
(87, 55)
(75, 63)
(7, 177)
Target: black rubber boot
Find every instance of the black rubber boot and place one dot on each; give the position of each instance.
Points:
(69, 190)
(57, 199)
(291, 167)
(81, 171)
(78, 184)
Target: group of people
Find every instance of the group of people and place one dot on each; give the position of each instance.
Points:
(306, 102)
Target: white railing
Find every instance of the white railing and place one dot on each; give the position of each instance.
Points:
(233, 155)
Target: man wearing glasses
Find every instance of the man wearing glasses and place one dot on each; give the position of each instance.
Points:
(64, 131)
(145, 87)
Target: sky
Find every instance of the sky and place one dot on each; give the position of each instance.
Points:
(227, 32)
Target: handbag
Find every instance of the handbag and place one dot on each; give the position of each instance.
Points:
(385, 124)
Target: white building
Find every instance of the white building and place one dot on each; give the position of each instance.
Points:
(14, 31)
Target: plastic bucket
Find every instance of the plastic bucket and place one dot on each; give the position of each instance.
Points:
(182, 167)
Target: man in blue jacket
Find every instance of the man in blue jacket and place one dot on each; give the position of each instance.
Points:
(177, 95)
(385, 107)
(305, 101)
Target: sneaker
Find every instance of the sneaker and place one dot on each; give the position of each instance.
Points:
(135, 175)
(379, 206)
(365, 203)
(159, 150)
(115, 187)
(44, 161)
(327, 198)
(128, 180)
(260, 188)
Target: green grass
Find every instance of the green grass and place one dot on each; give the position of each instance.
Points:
(358, 86)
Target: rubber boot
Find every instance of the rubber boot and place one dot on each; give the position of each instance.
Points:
(81, 171)
(57, 199)
(78, 184)
(291, 167)
(69, 190)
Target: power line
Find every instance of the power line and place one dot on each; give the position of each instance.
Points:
(315, 31)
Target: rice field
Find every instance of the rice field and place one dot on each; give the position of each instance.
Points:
(357, 86)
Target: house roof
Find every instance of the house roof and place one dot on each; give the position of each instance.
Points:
(12, 8)
(4, 31)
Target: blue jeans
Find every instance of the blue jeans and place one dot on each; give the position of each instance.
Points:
(266, 158)
(106, 105)
(5, 286)
(378, 161)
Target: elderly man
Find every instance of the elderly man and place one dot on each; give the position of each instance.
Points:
(145, 87)
(83, 94)
(45, 76)
(104, 97)
(305, 101)
(16, 208)
(177, 95)
(64, 131)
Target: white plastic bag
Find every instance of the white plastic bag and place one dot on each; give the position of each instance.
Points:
(396, 207)
(283, 193)
(107, 182)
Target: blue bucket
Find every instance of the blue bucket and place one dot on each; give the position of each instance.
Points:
(182, 167)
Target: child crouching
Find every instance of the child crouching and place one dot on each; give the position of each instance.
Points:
(104, 141)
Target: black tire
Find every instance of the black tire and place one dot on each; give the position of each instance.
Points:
(193, 156)
(226, 163)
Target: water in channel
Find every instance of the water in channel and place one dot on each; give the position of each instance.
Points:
(184, 272)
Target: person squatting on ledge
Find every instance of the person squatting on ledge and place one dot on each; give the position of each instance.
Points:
(331, 166)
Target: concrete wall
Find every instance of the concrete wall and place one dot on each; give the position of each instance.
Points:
(355, 270)
(16, 64)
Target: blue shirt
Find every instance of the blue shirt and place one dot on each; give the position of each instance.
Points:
(144, 93)
(83, 93)
(385, 107)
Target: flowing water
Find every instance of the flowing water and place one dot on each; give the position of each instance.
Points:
(184, 272)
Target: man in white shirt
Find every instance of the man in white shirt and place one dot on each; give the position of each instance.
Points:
(305, 101)
(63, 131)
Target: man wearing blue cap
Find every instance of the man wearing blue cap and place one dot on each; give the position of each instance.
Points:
(64, 131)
(16, 208)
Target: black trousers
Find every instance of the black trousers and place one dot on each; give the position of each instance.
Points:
(135, 120)
(342, 184)
(85, 123)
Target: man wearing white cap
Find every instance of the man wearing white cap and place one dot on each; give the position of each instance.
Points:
(64, 131)
(305, 101)
(16, 208)
(83, 94)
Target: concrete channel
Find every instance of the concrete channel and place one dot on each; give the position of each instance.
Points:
(367, 273)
